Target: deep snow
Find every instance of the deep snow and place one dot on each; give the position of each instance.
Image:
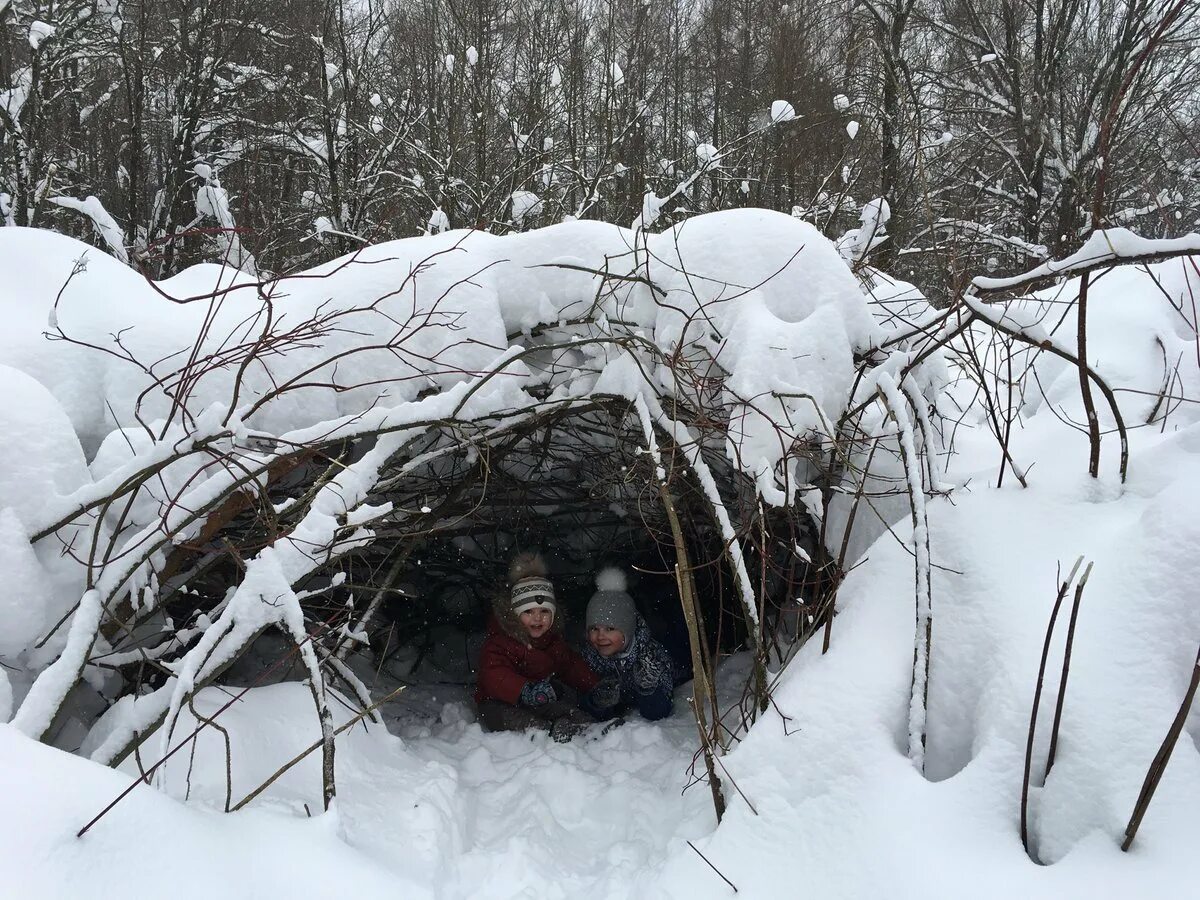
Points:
(827, 803)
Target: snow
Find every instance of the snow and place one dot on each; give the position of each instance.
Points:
(212, 201)
(852, 129)
(41, 462)
(12, 100)
(782, 111)
(502, 286)
(857, 821)
(438, 222)
(106, 226)
(435, 808)
(917, 713)
(525, 204)
(256, 854)
(25, 601)
(856, 244)
(1103, 245)
(824, 798)
(39, 32)
(37, 709)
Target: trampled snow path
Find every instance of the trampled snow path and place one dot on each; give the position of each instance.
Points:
(460, 812)
(563, 820)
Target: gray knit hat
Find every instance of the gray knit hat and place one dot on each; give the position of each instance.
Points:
(611, 606)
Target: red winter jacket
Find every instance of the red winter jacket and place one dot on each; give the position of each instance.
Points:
(506, 665)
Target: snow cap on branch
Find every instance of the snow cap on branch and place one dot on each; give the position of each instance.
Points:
(782, 111)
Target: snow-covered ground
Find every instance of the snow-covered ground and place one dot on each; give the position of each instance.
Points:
(429, 806)
(824, 800)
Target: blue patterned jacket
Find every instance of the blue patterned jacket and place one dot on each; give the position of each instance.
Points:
(642, 672)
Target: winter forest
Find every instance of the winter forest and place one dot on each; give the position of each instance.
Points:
(617, 448)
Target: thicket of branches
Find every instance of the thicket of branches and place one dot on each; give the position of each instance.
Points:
(281, 134)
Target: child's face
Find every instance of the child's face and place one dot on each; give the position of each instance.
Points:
(537, 621)
(607, 641)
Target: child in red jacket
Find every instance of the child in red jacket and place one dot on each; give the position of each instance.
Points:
(528, 676)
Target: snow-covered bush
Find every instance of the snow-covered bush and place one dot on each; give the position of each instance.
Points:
(734, 344)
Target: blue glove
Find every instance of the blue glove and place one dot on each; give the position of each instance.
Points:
(537, 693)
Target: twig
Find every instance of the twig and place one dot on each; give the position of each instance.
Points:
(1159, 765)
(714, 868)
(741, 793)
(1085, 382)
(1062, 684)
(1037, 700)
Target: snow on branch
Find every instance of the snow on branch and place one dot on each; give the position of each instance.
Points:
(894, 399)
(1105, 247)
(106, 226)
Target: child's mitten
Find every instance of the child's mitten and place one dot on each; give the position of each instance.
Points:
(607, 693)
(564, 728)
(537, 693)
(648, 673)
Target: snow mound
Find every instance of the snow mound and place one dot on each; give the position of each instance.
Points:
(41, 462)
(150, 838)
(40, 456)
(824, 784)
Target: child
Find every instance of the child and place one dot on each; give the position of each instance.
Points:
(635, 670)
(525, 661)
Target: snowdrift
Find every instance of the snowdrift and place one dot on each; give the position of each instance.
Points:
(824, 798)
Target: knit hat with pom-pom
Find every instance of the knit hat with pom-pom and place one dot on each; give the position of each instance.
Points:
(611, 606)
(531, 589)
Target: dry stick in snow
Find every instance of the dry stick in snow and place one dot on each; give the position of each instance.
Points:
(1085, 382)
(918, 708)
(1062, 683)
(714, 868)
(700, 686)
(1037, 700)
(1159, 765)
(208, 720)
(700, 691)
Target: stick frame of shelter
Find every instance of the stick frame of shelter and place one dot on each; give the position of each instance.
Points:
(701, 677)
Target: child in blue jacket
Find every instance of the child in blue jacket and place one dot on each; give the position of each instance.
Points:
(635, 670)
